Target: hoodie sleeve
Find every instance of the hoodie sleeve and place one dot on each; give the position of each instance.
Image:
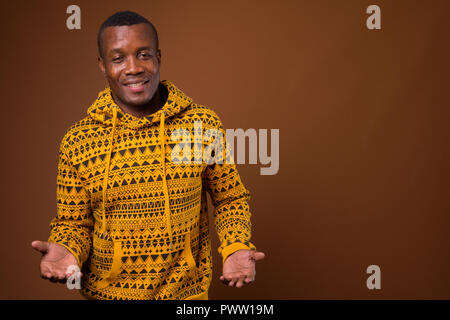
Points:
(73, 223)
(230, 199)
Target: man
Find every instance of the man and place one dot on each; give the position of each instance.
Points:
(130, 216)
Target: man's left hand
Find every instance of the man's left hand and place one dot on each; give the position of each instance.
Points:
(239, 267)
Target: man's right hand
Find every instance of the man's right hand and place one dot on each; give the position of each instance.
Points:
(55, 261)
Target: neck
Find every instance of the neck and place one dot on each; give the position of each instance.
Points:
(157, 102)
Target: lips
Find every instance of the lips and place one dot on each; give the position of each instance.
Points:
(136, 86)
(135, 83)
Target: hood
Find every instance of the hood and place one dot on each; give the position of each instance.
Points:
(106, 111)
(102, 110)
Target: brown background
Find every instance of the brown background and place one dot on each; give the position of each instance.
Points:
(364, 131)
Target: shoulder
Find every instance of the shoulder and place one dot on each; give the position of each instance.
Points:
(78, 132)
(203, 113)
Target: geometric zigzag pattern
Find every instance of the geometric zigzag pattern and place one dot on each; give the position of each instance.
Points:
(145, 251)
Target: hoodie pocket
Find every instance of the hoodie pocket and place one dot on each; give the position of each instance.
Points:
(107, 262)
(112, 259)
(116, 261)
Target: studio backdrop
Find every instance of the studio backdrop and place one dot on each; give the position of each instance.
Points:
(348, 103)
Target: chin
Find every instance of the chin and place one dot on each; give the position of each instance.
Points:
(138, 102)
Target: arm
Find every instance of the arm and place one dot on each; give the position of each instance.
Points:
(232, 212)
(73, 223)
(231, 215)
(229, 196)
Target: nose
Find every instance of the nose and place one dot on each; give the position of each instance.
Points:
(133, 66)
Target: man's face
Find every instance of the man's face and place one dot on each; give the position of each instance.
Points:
(131, 63)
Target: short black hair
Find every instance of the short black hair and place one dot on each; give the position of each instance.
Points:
(124, 18)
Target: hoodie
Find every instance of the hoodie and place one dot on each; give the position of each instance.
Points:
(135, 220)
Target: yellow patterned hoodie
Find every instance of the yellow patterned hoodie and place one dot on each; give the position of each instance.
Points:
(136, 221)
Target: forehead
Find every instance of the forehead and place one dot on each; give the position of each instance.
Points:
(122, 37)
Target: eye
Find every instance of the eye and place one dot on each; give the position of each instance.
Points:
(146, 55)
(117, 59)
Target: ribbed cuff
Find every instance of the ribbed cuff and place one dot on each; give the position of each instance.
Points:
(232, 248)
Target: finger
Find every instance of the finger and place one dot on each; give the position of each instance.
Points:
(240, 281)
(62, 269)
(228, 278)
(40, 246)
(258, 255)
(50, 276)
(249, 279)
(60, 276)
(231, 278)
(58, 280)
(224, 280)
(46, 272)
(233, 281)
(53, 279)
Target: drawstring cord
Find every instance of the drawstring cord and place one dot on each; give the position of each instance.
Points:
(108, 161)
(165, 189)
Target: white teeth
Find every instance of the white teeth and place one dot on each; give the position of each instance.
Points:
(134, 85)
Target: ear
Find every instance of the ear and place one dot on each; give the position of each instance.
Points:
(158, 56)
(101, 65)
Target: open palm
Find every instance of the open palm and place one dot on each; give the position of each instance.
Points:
(55, 261)
(239, 267)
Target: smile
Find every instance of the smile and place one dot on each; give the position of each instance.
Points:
(136, 87)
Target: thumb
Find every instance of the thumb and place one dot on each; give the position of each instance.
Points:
(40, 246)
(258, 255)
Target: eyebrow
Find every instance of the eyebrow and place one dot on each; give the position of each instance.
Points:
(118, 50)
(145, 48)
